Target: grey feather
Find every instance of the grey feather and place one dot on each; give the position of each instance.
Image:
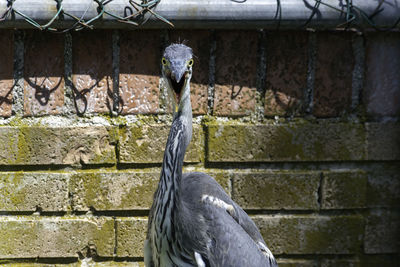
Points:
(192, 221)
(224, 240)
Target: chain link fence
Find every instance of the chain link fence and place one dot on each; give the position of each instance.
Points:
(135, 15)
(353, 14)
(138, 13)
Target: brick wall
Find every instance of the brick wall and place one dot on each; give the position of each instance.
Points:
(301, 129)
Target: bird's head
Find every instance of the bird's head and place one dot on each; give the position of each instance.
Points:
(177, 62)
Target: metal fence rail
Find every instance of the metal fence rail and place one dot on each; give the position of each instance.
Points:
(62, 15)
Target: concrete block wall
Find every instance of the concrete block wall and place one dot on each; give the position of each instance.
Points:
(300, 128)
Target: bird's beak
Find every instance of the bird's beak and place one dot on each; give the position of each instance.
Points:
(177, 80)
(177, 75)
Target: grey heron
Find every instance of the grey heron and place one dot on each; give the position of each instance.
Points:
(192, 221)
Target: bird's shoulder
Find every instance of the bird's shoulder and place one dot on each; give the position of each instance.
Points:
(195, 185)
(212, 223)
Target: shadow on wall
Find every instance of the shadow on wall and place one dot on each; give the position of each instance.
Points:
(5, 96)
(47, 60)
(92, 71)
(43, 73)
(286, 73)
(6, 73)
(95, 63)
(121, 72)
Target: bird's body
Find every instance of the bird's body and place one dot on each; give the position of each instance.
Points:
(193, 222)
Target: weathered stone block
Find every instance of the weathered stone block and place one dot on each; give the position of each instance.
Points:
(146, 143)
(116, 264)
(123, 190)
(35, 145)
(382, 80)
(44, 74)
(288, 234)
(228, 142)
(6, 72)
(382, 232)
(296, 263)
(380, 260)
(276, 190)
(92, 71)
(82, 263)
(30, 237)
(383, 141)
(199, 41)
(286, 75)
(139, 72)
(113, 190)
(131, 234)
(21, 191)
(235, 73)
(340, 262)
(344, 190)
(333, 74)
(383, 189)
(16, 263)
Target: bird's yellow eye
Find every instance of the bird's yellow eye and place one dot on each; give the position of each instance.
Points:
(164, 61)
(190, 62)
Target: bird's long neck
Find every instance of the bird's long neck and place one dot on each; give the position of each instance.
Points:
(167, 194)
(179, 138)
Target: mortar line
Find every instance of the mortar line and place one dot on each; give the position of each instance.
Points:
(115, 214)
(205, 144)
(70, 199)
(223, 166)
(46, 260)
(320, 192)
(358, 71)
(315, 257)
(18, 69)
(211, 73)
(306, 212)
(301, 166)
(164, 100)
(309, 90)
(232, 186)
(261, 75)
(116, 109)
(55, 167)
(73, 260)
(115, 236)
(69, 98)
(283, 256)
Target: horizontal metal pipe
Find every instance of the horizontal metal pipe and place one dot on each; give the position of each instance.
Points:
(227, 14)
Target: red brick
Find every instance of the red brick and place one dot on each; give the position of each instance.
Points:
(140, 57)
(43, 73)
(235, 73)
(333, 74)
(286, 73)
(6, 72)
(382, 79)
(92, 71)
(199, 41)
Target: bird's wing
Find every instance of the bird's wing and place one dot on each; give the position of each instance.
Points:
(212, 224)
(148, 261)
